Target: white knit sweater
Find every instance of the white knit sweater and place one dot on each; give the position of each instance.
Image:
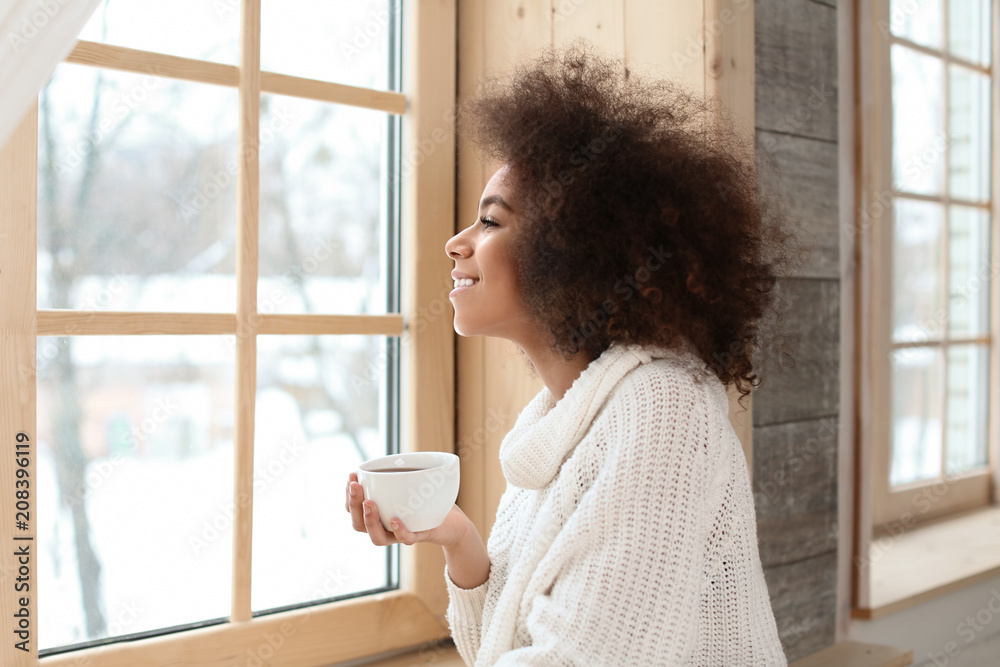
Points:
(626, 534)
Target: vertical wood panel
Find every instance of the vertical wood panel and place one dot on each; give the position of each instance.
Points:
(469, 352)
(246, 306)
(601, 23)
(493, 384)
(729, 76)
(514, 30)
(18, 216)
(666, 40)
(429, 192)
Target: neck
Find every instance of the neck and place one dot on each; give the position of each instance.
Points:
(556, 372)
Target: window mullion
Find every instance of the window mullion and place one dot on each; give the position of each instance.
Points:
(246, 305)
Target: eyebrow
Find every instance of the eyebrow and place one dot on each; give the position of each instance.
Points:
(495, 199)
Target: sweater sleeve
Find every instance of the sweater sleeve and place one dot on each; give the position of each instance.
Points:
(628, 590)
(465, 616)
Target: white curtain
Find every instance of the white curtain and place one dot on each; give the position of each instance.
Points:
(35, 36)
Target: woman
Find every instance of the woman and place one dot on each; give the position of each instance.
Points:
(623, 246)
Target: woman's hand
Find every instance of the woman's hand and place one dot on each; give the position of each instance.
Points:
(365, 519)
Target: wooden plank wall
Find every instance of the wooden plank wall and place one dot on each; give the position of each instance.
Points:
(796, 408)
(494, 382)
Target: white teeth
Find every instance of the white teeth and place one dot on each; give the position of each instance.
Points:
(464, 282)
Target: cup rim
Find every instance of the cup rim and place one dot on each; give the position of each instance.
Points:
(448, 459)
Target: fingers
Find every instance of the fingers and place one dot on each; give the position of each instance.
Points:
(353, 477)
(355, 496)
(373, 524)
(403, 535)
(365, 517)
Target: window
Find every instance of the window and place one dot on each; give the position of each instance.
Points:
(927, 246)
(928, 231)
(224, 315)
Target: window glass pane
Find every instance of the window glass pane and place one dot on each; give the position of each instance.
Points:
(969, 271)
(916, 414)
(917, 20)
(917, 274)
(969, 134)
(968, 371)
(323, 208)
(322, 408)
(918, 136)
(135, 470)
(343, 42)
(137, 193)
(969, 24)
(187, 28)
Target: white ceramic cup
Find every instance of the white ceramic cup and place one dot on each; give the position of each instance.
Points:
(421, 498)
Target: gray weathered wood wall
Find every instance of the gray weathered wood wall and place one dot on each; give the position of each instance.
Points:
(795, 409)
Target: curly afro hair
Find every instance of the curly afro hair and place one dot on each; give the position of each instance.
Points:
(645, 219)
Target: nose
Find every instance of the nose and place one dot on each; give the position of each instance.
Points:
(457, 246)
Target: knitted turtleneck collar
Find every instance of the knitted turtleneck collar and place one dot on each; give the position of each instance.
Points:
(546, 431)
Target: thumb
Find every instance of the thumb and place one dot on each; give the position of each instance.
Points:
(402, 534)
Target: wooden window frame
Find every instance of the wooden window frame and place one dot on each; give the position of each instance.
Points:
(922, 501)
(309, 636)
(881, 517)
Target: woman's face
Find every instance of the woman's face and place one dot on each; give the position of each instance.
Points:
(491, 305)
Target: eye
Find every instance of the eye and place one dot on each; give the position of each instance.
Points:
(488, 222)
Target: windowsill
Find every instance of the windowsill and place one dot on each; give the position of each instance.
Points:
(929, 561)
(857, 654)
(442, 654)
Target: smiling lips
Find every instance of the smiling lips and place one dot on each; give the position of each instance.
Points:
(463, 283)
